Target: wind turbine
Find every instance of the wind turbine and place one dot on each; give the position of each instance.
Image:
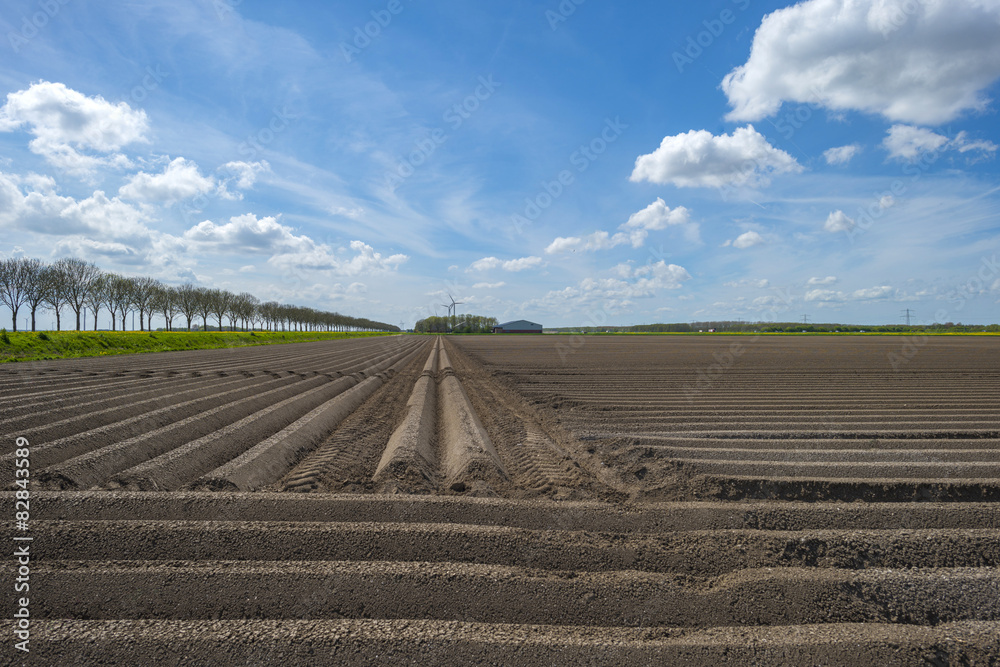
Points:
(453, 304)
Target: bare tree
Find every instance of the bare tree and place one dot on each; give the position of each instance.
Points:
(119, 297)
(246, 306)
(219, 301)
(55, 291)
(79, 276)
(143, 290)
(97, 296)
(166, 301)
(204, 300)
(187, 301)
(15, 285)
(34, 274)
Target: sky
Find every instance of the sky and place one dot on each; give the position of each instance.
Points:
(573, 162)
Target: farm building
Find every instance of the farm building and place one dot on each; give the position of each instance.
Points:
(518, 326)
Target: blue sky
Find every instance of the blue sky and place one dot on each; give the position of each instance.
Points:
(575, 162)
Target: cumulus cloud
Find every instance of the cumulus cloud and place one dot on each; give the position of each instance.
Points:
(841, 154)
(747, 240)
(180, 180)
(69, 127)
(520, 264)
(918, 62)
(599, 240)
(242, 175)
(700, 159)
(873, 293)
(749, 282)
(828, 296)
(828, 280)
(249, 235)
(30, 204)
(838, 221)
(489, 285)
(657, 216)
(633, 283)
(908, 143)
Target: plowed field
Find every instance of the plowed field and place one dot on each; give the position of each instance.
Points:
(513, 500)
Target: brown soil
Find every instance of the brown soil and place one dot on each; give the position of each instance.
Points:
(515, 500)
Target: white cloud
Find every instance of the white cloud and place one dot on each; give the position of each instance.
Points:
(841, 154)
(489, 285)
(827, 296)
(354, 213)
(908, 142)
(66, 122)
(243, 174)
(319, 257)
(700, 159)
(748, 240)
(487, 263)
(43, 211)
(748, 282)
(925, 61)
(180, 180)
(615, 293)
(246, 234)
(657, 216)
(828, 280)
(521, 264)
(838, 221)
(599, 240)
(873, 293)
(824, 296)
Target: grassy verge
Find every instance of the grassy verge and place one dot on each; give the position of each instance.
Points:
(67, 344)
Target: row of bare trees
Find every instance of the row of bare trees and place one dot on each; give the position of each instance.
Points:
(30, 284)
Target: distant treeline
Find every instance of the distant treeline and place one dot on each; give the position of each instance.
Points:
(456, 323)
(80, 286)
(784, 327)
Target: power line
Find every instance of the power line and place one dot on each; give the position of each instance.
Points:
(907, 313)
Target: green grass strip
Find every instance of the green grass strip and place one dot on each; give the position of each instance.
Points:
(45, 345)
